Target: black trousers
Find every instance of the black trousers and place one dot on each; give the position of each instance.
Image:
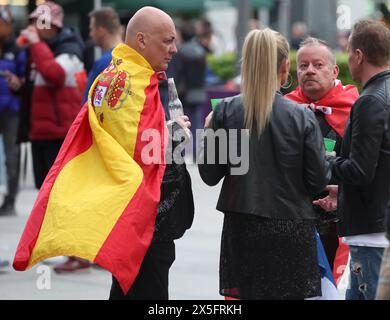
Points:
(9, 122)
(44, 153)
(151, 282)
(330, 240)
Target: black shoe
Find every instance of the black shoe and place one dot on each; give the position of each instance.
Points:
(7, 209)
(4, 264)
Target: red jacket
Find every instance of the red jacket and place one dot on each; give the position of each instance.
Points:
(57, 95)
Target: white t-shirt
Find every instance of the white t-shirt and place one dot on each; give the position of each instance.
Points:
(377, 240)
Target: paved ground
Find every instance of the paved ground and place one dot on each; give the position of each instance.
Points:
(194, 274)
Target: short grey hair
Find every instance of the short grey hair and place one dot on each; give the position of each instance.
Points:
(311, 41)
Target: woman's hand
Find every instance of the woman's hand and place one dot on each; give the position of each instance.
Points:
(207, 122)
(185, 123)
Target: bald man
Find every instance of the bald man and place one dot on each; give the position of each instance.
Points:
(151, 32)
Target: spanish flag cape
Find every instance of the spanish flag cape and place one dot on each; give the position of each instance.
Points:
(338, 100)
(99, 200)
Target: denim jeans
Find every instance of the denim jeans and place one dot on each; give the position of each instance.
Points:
(383, 292)
(364, 272)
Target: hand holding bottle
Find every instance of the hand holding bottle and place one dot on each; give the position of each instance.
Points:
(185, 123)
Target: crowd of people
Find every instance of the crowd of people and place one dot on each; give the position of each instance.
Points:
(293, 189)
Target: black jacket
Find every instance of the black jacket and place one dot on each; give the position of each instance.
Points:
(176, 207)
(190, 73)
(327, 132)
(286, 165)
(363, 168)
(388, 221)
(68, 40)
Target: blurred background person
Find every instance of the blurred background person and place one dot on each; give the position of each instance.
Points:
(342, 41)
(191, 75)
(254, 24)
(106, 32)
(204, 34)
(12, 68)
(298, 34)
(53, 91)
(56, 83)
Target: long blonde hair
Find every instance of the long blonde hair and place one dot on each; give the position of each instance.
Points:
(262, 55)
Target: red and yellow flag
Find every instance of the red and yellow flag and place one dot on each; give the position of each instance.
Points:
(99, 200)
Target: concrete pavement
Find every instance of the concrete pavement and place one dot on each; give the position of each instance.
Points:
(194, 274)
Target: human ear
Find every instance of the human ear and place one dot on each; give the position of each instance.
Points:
(284, 70)
(285, 67)
(288, 65)
(141, 40)
(359, 56)
(336, 71)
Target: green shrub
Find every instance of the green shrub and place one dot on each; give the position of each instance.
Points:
(223, 66)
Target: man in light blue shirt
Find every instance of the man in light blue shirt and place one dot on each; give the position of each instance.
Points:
(106, 31)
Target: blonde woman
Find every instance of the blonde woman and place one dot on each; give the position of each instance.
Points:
(268, 247)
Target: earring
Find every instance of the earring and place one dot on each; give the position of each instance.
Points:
(288, 83)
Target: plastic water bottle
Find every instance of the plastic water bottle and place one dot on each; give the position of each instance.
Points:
(174, 104)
